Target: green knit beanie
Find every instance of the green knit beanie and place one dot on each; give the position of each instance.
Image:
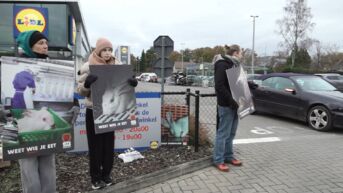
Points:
(23, 41)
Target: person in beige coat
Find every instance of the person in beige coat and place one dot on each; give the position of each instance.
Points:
(100, 146)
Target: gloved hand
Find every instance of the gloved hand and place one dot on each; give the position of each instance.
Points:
(90, 80)
(234, 104)
(132, 81)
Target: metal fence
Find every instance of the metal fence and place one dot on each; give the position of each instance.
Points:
(202, 114)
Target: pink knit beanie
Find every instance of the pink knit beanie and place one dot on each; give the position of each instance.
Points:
(101, 44)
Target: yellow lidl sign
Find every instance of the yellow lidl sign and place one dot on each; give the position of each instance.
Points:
(124, 50)
(30, 18)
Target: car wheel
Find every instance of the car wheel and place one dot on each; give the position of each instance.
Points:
(319, 118)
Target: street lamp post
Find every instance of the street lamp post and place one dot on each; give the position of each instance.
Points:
(182, 56)
(253, 44)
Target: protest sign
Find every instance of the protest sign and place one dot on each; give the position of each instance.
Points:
(175, 121)
(114, 100)
(240, 90)
(39, 94)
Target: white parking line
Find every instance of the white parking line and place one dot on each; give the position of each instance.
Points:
(256, 140)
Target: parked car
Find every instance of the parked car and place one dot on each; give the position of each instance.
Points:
(335, 79)
(147, 77)
(307, 98)
(254, 77)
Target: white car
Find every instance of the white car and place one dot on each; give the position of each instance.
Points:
(147, 77)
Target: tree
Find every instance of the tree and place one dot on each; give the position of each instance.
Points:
(317, 50)
(134, 62)
(331, 57)
(246, 56)
(302, 59)
(175, 56)
(151, 58)
(219, 50)
(142, 63)
(201, 55)
(295, 25)
(187, 55)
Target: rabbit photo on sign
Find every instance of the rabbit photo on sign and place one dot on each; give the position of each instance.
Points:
(118, 99)
(35, 120)
(178, 128)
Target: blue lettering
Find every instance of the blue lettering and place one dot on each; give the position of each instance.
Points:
(33, 22)
(20, 22)
(40, 23)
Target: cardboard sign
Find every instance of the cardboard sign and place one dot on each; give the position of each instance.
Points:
(146, 135)
(114, 100)
(39, 95)
(175, 121)
(240, 90)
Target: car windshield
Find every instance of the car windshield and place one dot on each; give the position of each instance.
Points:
(313, 83)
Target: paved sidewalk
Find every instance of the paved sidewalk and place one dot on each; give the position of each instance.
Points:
(299, 164)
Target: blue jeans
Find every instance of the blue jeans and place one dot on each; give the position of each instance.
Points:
(226, 132)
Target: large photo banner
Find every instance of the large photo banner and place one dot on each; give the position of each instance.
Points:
(39, 94)
(175, 124)
(114, 100)
(240, 91)
(147, 135)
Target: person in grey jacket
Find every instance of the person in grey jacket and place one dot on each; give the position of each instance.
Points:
(38, 174)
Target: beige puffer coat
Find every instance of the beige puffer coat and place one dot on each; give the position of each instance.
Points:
(86, 92)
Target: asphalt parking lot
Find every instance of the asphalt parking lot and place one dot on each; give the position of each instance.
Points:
(279, 156)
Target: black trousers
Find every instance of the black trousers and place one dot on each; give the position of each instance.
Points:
(100, 148)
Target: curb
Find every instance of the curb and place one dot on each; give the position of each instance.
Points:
(160, 176)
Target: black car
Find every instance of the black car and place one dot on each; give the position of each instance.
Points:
(307, 98)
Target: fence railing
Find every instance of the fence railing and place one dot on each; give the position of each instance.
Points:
(204, 108)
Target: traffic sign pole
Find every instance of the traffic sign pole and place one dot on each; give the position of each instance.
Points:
(162, 71)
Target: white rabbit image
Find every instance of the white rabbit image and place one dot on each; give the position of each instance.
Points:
(119, 99)
(34, 120)
(178, 128)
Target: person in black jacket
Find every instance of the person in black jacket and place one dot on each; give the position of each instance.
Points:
(101, 145)
(38, 174)
(227, 109)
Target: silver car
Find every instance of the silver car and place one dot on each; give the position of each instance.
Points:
(335, 79)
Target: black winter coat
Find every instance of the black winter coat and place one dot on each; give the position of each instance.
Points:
(222, 87)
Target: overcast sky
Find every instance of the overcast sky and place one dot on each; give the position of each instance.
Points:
(200, 23)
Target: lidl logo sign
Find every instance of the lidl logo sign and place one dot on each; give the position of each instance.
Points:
(30, 18)
(123, 50)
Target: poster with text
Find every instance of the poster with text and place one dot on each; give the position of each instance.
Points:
(148, 134)
(80, 132)
(39, 95)
(114, 100)
(240, 91)
(175, 124)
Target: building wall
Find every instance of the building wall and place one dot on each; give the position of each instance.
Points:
(58, 27)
